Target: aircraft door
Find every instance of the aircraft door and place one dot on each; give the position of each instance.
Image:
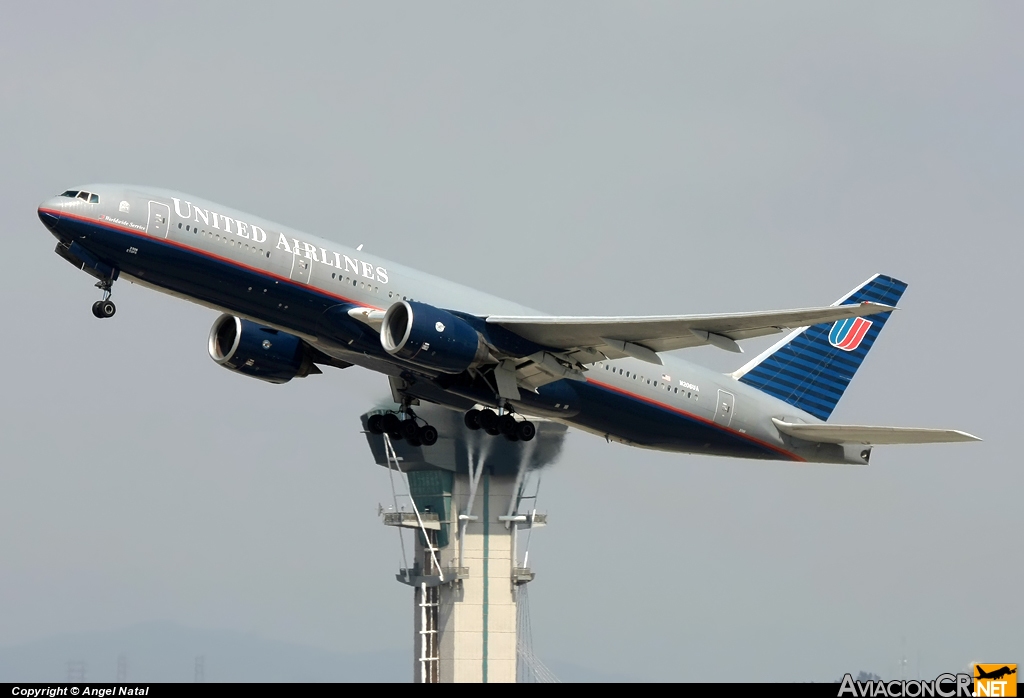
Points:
(302, 267)
(159, 215)
(726, 404)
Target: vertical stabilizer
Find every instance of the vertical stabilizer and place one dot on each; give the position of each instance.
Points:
(812, 367)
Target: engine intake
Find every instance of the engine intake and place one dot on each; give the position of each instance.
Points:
(430, 337)
(259, 352)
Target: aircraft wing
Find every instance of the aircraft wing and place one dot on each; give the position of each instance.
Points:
(595, 338)
(877, 436)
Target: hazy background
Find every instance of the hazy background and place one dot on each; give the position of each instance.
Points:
(584, 158)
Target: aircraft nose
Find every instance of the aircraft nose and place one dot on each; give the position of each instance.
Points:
(49, 213)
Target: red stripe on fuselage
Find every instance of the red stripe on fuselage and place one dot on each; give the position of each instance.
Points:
(698, 418)
(196, 250)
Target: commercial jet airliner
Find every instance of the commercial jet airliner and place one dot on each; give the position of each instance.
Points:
(292, 302)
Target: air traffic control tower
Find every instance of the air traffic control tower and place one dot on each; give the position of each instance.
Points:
(469, 503)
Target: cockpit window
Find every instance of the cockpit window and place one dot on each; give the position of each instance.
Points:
(86, 196)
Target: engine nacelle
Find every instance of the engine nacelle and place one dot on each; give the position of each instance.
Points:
(430, 337)
(258, 351)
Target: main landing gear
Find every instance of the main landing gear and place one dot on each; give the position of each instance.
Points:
(104, 308)
(398, 428)
(505, 424)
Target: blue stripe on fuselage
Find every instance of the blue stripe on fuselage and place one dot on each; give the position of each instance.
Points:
(647, 422)
(209, 278)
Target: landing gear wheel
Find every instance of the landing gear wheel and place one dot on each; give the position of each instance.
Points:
(428, 435)
(392, 425)
(512, 437)
(507, 424)
(104, 309)
(489, 422)
(472, 420)
(375, 424)
(409, 429)
(526, 431)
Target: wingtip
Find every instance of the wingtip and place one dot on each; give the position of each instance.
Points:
(882, 307)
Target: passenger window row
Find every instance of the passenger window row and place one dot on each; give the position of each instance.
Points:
(662, 385)
(194, 229)
(85, 196)
(365, 286)
(355, 282)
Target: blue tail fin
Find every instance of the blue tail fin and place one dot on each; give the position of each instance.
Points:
(812, 367)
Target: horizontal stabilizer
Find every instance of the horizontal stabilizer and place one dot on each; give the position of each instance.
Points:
(875, 436)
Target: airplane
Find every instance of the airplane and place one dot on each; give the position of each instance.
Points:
(994, 674)
(292, 302)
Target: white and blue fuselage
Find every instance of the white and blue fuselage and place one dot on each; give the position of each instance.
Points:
(315, 289)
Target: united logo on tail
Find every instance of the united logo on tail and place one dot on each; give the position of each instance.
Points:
(847, 334)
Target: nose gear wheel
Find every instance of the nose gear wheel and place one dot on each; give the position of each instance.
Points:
(104, 308)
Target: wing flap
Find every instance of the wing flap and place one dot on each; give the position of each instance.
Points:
(870, 435)
(668, 332)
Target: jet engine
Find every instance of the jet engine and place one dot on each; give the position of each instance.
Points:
(259, 352)
(430, 337)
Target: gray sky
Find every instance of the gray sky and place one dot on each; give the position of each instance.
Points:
(586, 158)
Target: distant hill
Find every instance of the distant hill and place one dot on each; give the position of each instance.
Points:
(161, 651)
(166, 652)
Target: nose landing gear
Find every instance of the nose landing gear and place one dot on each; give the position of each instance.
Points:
(506, 425)
(104, 308)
